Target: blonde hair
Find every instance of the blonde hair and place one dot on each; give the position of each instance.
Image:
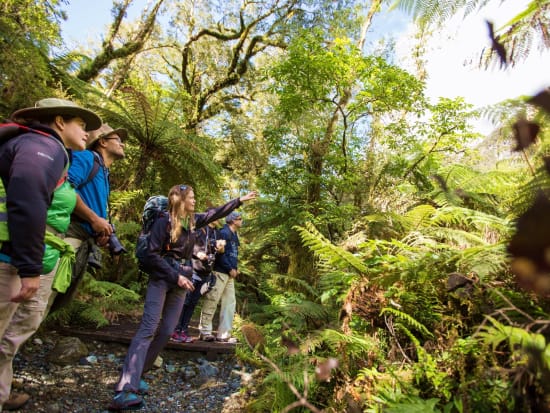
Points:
(176, 196)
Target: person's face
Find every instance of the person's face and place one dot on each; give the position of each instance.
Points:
(188, 204)
(73, 133)
(238, 222)
(114, 146)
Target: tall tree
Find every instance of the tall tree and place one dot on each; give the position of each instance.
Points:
(28, 30)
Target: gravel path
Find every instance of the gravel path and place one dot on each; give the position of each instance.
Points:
(186, 382)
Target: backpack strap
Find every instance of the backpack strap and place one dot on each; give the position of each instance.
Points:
(95, 169)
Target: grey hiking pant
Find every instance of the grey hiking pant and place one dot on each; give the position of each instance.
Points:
(163, 305)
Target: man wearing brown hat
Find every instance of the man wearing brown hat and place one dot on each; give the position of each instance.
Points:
(89, 174)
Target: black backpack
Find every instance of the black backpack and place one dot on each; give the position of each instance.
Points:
(155, 207)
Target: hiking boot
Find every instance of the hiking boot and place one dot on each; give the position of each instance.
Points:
(176, 336)
(184, 338)
(16, 401)
(143, 387)
(125, 400)
(207, 337)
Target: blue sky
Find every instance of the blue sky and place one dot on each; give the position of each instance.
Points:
(88, 18)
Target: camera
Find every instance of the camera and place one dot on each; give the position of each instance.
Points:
(114, 244)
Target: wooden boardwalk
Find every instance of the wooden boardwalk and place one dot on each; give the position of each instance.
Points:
(123, 330)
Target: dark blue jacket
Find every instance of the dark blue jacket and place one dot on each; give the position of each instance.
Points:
(228, 260)
(30, 168)
(161, 251)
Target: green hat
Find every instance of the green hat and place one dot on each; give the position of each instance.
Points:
(62, 107)
(103, 132)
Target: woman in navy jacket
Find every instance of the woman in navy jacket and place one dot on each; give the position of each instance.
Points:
(169, 254)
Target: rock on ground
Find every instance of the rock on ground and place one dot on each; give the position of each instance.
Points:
(184, 383)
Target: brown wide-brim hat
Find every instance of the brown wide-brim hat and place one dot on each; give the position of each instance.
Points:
(61, 107)
(104, 132)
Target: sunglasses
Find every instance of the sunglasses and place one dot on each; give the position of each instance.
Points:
(116, 138)
(183, 187)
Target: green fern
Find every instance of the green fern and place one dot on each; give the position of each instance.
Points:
(352, 345)
(517, 338)
(327, 252)
(407, 319)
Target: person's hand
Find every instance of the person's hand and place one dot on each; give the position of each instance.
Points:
(29, 286)
(249, 196)
(184, 282)
(201, 255)
(220, 246)
(102, 240)
(101, 227)
(233, 273)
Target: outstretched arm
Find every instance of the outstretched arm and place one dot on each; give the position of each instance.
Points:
(249, 196)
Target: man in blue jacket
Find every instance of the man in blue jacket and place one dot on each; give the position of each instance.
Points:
(226, 270)
(89, 174)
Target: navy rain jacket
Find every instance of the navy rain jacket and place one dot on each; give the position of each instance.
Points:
(30, 167)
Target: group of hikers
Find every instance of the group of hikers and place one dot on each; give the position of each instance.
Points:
(54, 213)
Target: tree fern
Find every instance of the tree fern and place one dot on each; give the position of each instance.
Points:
(159, 153)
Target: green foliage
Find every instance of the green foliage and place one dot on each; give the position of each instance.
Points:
(97, 302)
(517, 339)
(355, 349)
(28, 30)
(159, 154)
(293, 311)
(328, 253)
(370, 196)
(408, 320)
(414, 405)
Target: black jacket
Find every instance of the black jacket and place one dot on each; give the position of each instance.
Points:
(205, 241)
(30, 168)
(160, 247)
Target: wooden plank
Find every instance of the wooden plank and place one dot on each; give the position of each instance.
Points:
(197, 346)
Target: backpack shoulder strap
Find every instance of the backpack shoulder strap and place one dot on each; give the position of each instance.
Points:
(95, 169)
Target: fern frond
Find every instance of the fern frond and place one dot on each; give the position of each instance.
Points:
(485, 260)
(289, 282)
(352, 345)
(407, 319)
(326, 251)
(514, 336)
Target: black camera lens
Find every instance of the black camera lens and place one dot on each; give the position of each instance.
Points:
(115, 246)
